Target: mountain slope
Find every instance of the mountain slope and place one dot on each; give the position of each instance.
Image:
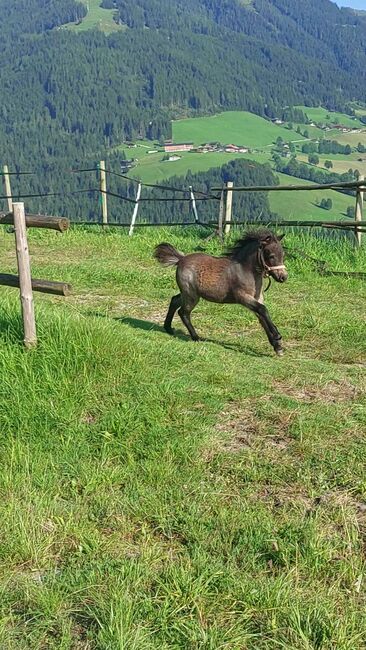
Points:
(68, 97)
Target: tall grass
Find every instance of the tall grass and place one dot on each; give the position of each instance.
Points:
(162, 494)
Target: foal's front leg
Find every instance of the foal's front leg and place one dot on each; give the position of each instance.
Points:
(264, 318)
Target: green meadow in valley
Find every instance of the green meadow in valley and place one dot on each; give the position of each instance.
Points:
(159, 493)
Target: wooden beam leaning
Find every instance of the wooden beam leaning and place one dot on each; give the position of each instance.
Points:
(44, 286)
(61, 224)
(25, 281)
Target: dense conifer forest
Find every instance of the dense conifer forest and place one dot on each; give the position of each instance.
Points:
(68, 98)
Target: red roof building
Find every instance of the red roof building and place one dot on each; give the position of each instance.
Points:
(170, 147)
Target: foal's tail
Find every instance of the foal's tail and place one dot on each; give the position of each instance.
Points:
(167, 255)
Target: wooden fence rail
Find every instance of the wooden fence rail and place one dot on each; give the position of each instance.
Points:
(358, 186)
(61, 224)
(225, 220)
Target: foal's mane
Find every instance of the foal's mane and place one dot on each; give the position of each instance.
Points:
(245, 244)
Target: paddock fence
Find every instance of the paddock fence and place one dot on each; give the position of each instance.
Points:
(222, 197)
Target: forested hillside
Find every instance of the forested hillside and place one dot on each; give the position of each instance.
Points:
(68, 97)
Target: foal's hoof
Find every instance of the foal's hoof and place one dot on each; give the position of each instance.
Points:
(279, 352)
(196, 338)
(169, 330)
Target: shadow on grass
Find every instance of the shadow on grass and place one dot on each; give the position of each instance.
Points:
(149, 326)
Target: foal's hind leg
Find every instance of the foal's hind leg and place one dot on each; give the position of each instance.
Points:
(175, 303)
(185, 314)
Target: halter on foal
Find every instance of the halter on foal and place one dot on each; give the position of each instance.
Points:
(236, 277)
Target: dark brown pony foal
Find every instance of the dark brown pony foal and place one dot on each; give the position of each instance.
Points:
(236, 277)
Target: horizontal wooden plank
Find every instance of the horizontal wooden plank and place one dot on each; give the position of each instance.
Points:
(44, 286)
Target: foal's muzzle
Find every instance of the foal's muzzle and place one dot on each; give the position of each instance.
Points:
(278, 273)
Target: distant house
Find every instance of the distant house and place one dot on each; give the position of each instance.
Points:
(173, 158)
(127, 164)
(233, 148)
(207, 147)
(341, 127)
(170, 147)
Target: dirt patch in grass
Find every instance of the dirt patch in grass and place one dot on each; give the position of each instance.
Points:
(295, 495)
(332, 392)
(240, 428)
(283, 496)
(338, 499)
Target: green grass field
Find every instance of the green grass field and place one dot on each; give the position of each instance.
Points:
(320, 114)
(341, 164)
(96, 18)
(246, 128)
(232, 127)
(305, 204)
(353, 138)
(153, 169)
(160, 494)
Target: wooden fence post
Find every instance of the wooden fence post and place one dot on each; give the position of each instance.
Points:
(135, 210)
(103, 191)
(25, 280)
(359, 210)
(8, 188)
(193, 203)
(221, 214)
(229, 206)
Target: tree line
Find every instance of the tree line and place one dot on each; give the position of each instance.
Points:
(69, 99)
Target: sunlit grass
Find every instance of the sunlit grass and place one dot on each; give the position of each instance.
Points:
(158, 493)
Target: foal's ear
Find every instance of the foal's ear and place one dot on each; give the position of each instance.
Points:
(280, 237)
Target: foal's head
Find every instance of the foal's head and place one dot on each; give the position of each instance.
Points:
(271, 256)
(268, 250)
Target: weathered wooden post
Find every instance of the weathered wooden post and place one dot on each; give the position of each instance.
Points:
(135, 210)
(103, 192)
(193, 203)
(8, 188)
(25, 280)
(221, 215)
(229, 206)
(359, 210)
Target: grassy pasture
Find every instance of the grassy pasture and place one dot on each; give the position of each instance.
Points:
(96, 18)
(152, 169)
(242, 127)
(341, 164)
(161, 494)
(319, 114)
(353, 138)
(305, 204)
(232, 127)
